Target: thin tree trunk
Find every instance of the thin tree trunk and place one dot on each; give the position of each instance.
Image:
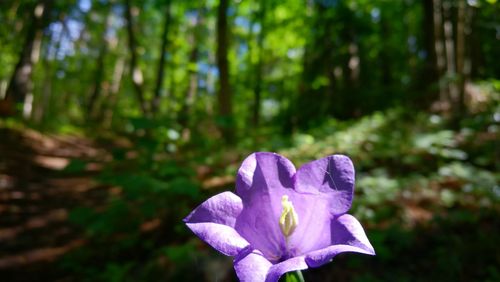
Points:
(99, 71)
(430, 73)
(43, 102)
(193, 78)
(115, 88)
(20, 89)
(224, 93)
(250, 79)
(385, 55)
(258, 68)
(461, 70)
(451, 68)
(185, 113)
(475, 53)
(161, 66)
(135, 72)
(440, 51)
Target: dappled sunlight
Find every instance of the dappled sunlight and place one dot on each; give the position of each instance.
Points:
(35, 202)
(51, 162)
(34, 222)
(38, 255)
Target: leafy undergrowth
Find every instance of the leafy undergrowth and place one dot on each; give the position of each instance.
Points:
(427, 195)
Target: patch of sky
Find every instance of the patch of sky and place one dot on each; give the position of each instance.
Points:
(203, 67)
(473, 3)
(70, 34)
(192, 16)
(242, 21)
(56, 29)
(231, 11)
(74, 28)
(375, 14)
(84, 5)
(242, 48)
(119, 10)
(202, 84)
(61, 44)
(294, 53)
(270, 108)
(256, 28)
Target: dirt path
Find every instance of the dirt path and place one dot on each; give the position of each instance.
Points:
(36, 196)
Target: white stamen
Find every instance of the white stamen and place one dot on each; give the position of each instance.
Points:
(289, 218)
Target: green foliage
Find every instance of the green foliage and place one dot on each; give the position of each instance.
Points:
(75, 165)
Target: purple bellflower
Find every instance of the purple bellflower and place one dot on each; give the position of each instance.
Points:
(280, 219)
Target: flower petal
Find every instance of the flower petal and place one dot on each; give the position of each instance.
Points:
(263, 170)
(331, 177)
(214, 220)
(251, 265)
(293, 264)
(262, 180)
(313, 231)
(347, 236)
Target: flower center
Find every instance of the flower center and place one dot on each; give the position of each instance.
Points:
(289, 218)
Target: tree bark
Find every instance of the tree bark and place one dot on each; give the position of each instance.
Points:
(161, 65)
(20, 89)
(224, 96)
(135, 71)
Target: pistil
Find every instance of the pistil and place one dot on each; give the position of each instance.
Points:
(289, 218)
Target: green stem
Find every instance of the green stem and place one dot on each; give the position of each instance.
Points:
(294, 276)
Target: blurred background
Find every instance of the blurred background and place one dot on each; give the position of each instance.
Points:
(118, 117)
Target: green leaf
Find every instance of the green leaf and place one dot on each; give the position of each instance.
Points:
(294, 276)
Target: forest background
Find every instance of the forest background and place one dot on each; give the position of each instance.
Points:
(118, 117)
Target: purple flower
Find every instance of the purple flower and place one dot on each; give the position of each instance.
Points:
(281, 219)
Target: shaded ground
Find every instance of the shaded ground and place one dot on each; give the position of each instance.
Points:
(417, 236)
(36, 194)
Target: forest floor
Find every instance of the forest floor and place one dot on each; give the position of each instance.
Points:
(36, 195)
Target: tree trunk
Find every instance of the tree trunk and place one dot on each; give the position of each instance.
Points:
(20, 89)
(317, 62)
(135, 72)
(115, 88)
(451, 67)
(161, 65)
(48, 80)
(430, 73)
(185, 113)
(99, 71)
(474, 40)
(440, 52)
(461, 58)
(224, 97)
(385, 55)
(258, 68)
